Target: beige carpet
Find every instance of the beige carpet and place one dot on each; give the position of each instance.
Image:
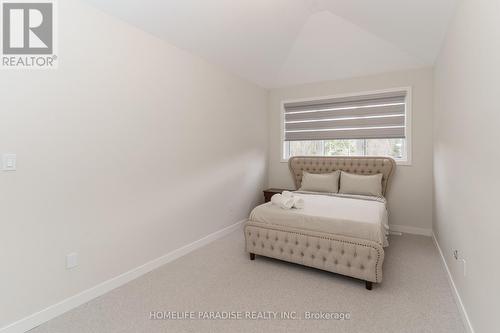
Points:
(414, 296)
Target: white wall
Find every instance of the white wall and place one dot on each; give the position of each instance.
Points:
(410, 196)
(466, 158)
(130, 149)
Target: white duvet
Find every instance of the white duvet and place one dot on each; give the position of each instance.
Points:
(352, 216)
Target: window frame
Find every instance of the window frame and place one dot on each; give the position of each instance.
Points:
(408, 118)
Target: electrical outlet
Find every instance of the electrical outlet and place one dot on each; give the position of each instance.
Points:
(71, 260)
(462, 260)
(9, 162)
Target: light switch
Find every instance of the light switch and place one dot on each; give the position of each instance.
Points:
(9, 162)
(71, 260)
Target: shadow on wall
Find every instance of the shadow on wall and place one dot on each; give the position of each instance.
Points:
(209, 199)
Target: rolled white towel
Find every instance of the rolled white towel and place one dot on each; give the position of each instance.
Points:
(298, 203)
(280, 201)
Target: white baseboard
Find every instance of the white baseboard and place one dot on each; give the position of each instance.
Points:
(454, 290)
(410, 230)
(72, 302)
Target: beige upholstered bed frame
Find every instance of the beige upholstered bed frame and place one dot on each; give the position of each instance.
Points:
(358, 258)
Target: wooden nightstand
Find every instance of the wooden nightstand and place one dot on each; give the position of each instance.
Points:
(272, 191)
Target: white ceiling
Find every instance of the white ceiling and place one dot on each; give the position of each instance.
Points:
(283, 42)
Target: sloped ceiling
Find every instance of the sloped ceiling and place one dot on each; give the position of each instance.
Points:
(284, 42)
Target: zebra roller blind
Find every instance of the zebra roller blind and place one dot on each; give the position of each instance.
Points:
(373, 116)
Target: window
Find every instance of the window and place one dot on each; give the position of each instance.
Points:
(371, 124)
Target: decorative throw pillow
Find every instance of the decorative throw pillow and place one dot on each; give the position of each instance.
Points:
(320, 182)
(361, 184)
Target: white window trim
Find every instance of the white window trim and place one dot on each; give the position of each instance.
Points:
(408, 118)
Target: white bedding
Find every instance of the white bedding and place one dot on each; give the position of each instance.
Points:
(353, 216)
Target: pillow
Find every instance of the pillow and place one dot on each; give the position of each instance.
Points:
(320, 182)
(361, 184)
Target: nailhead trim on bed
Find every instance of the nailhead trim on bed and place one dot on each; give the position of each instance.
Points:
(359, 165)
(360, 263)
(356, 261)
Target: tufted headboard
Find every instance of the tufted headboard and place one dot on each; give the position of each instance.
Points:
(359, 165)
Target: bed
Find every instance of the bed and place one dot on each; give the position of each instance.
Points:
(340, 233)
